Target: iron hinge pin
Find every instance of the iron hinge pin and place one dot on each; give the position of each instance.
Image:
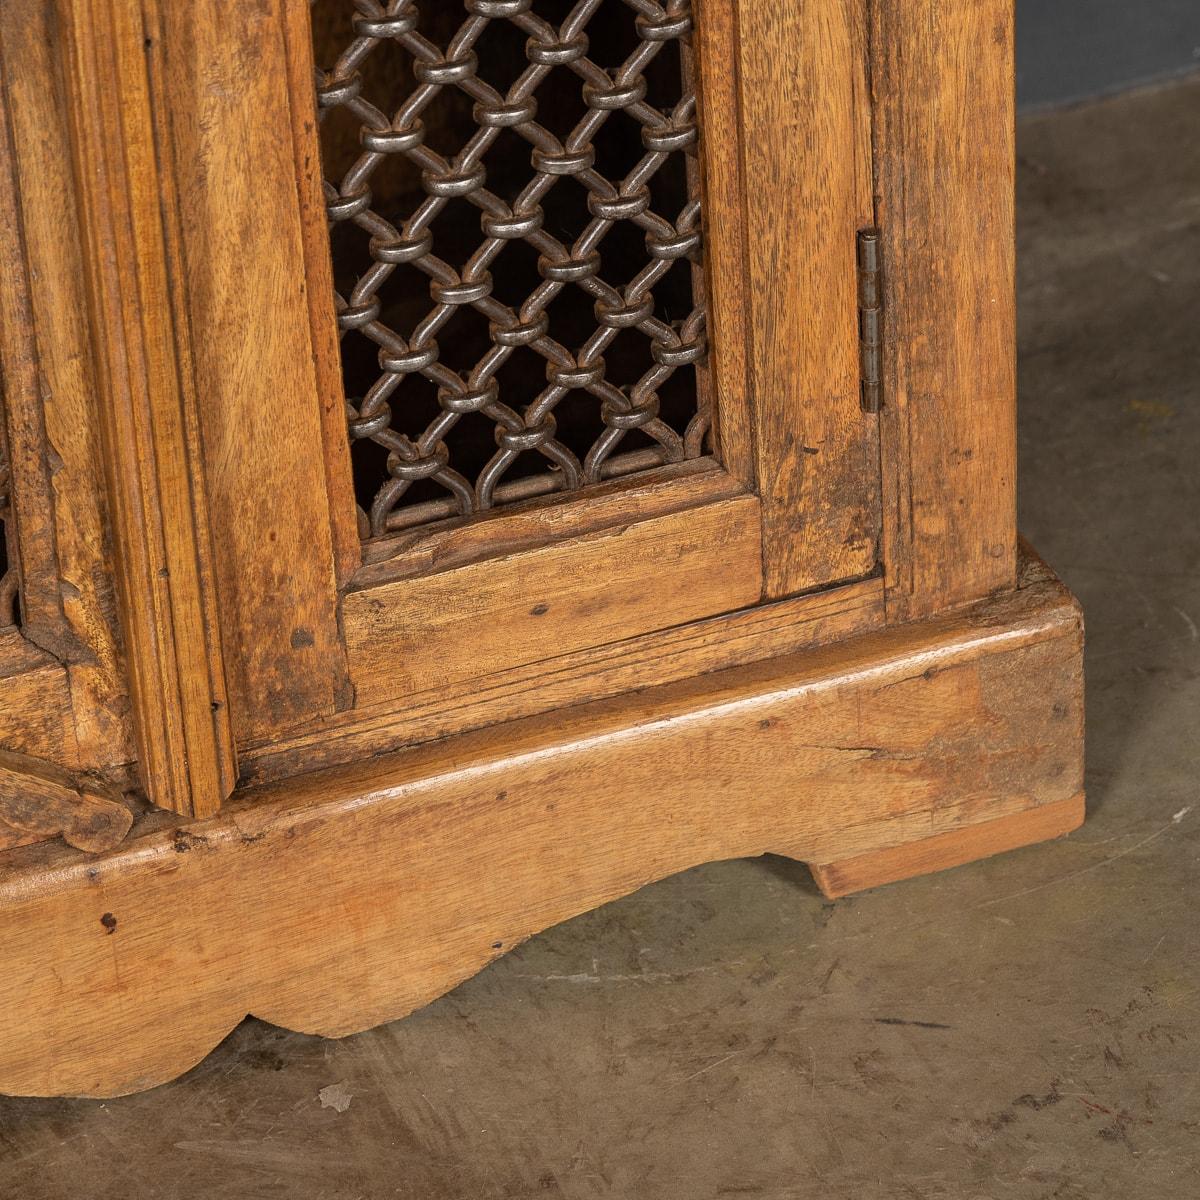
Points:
(870, 320)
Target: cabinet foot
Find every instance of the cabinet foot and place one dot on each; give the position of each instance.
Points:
(945, 850)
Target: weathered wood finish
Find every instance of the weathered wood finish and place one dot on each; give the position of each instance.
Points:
(573, 594)
(460, 735)
(41, 799)
(333, 902)
(260, 372)
(36, 715)
(719, 112)
(69, 607)
(318, 274)
(816, 463)
(533, 524)
(942, 86)
(665, 656)
(804, 139)
(147, 416)
(943, 850)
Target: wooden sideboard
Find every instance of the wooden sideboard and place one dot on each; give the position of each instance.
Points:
(464, 461)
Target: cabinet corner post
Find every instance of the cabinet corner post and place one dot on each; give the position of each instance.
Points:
(145, 407)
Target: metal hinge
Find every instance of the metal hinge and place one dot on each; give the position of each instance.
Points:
(870, 320)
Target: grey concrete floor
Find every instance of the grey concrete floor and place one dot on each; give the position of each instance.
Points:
(1025, 1027)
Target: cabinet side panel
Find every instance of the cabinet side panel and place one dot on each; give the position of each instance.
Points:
(803, 138)
(942, 78)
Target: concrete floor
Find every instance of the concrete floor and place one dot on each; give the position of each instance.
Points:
(1025, 1027)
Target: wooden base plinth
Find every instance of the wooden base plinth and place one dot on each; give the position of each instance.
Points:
(945, 850)
(331, 902)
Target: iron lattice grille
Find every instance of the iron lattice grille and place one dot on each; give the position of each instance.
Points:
(508, 208)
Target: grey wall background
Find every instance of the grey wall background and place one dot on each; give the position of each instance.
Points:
(1074, 49)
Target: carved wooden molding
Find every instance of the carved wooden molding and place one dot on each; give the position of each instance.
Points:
(148, 411)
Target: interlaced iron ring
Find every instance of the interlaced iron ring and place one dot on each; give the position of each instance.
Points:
(421, 398)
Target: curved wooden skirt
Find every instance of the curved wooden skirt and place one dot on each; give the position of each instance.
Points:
(334, 901)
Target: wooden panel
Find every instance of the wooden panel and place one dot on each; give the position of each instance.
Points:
(260, 374)
(664, 656)
(69, 605)
(804, 137)
(715, 42)
(530, 524)
(29, 178)
(318, 271)
(346, 898)
(147, 417)
(569, 595)
(942, 78)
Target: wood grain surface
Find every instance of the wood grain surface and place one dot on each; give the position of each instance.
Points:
(39, 798)
(51, 408)
(950, 849)
(715, 39)
(942, 86)
(595, 695)
(571, 594)
(664, 656)
(36, 716)
(147, 416)
(318, 273)
(261, 375)
(806, 162)
(333, 902)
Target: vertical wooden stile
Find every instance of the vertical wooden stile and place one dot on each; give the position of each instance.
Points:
(942, 74)
(51, 399)
(282, 516)
(148, 415)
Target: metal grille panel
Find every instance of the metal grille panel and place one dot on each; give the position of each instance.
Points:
(516, 240)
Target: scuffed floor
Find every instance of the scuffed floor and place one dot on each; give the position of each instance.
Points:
(1026, 1027)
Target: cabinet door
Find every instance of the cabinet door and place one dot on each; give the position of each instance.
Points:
(528, 332)
(377, 372)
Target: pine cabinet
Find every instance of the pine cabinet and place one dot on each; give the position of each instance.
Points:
(463, 461)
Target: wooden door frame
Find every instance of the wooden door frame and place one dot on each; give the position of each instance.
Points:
(788, 405)
(209, 345)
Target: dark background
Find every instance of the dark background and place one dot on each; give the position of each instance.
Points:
(1076, 49)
